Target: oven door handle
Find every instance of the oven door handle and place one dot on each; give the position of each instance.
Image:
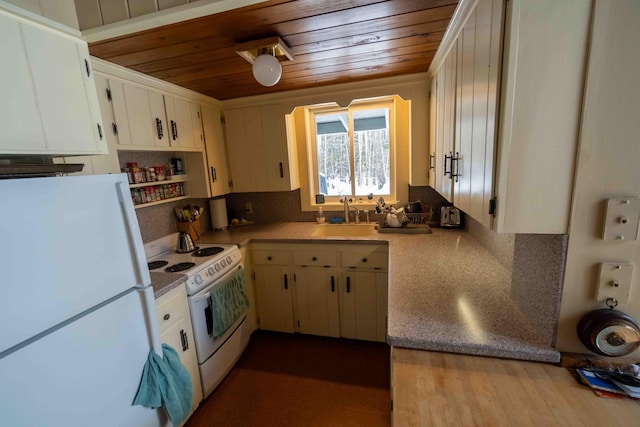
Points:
(208, 315)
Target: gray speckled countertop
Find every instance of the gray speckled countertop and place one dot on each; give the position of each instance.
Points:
(446, 292)
(164, 282)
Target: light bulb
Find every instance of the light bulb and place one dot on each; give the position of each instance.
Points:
(267, 70)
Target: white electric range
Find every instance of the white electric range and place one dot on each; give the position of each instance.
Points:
(206, 267)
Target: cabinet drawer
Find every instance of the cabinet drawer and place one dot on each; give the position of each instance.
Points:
(314, 258)
(172, 307)
(364, 259)
(271, 257)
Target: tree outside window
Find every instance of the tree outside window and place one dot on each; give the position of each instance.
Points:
(353, 152)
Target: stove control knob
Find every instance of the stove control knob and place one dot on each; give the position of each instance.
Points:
(223, 262)
(229, 260)
(197, 279)
(218, 267)
(211, 271)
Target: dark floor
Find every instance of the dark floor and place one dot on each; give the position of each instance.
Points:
(301, 380)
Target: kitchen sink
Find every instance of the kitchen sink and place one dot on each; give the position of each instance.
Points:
(344, 230)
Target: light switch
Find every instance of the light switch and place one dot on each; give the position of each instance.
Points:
(614, 281)
(621, 219)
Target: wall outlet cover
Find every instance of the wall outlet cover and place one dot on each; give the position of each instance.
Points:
(614, 281)
(621, 219)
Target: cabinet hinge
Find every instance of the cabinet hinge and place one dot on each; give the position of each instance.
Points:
(295, 280)
(391, 405)
(492, 207)
(99, 131)
(86, 64)
(222, 119)
(109, 98)
(298, 323)
(115, 128)
(230, 183)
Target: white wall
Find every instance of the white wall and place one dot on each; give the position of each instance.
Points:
(608, 163)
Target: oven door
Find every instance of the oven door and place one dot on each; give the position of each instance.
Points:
(199, 304)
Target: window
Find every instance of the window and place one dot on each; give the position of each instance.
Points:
(353, 151)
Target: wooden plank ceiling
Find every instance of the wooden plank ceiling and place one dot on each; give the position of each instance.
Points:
(334, 41)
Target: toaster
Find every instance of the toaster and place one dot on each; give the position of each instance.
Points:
(450, 217)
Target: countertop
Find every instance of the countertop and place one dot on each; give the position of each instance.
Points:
(446, 292)
(164, 282)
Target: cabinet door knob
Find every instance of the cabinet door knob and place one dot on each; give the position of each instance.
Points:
(364, 260)
(314, 259)
(269, 258)
(166, 316)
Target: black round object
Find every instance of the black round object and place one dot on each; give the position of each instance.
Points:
(181, 266)
(609, 332)
(208, 251)
(156, 264)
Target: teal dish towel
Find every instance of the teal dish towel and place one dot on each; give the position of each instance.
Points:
(228, 302)
(167, 383)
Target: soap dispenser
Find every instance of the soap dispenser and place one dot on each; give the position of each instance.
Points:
(320, 217)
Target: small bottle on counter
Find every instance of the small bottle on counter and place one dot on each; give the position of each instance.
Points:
(320, 217)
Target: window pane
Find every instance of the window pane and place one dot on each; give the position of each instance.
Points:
(371, 151)
(332, 144)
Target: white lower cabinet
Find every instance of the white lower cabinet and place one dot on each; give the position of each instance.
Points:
(273, 285)
(337, 290)
(174, 318)
(316, 301)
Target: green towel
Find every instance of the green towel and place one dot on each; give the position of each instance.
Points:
(167, 383)
(228, 302)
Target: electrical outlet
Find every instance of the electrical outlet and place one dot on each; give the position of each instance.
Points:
(614, 281)
(248, 207)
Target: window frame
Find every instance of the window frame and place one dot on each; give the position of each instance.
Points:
(357, 105)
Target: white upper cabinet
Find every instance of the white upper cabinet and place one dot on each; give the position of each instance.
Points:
(49, 104)
(466, 93)
(511, 168)
(541, 103)
(140, 116)
(184, 122)
(259, 155)
(216, 151)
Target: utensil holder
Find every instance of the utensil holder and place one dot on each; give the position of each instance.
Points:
(193, 228)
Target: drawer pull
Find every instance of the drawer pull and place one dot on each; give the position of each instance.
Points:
(166, 316)
(184, 340)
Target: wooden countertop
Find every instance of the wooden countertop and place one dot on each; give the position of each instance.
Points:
(442, 389)
(446, 292)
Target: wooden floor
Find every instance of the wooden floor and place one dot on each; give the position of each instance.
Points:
(442, 389)
(300, 380)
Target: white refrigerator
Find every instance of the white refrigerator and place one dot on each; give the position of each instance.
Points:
(77, 313)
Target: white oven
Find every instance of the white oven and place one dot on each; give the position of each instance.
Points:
(207, 267)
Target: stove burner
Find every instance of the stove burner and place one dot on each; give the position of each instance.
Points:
(156, 264)
(181, 266)
(208, 251)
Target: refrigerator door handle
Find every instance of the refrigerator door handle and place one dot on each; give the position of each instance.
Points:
(154, 328)
(124, 197)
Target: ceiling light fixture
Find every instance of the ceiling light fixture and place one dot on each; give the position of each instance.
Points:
(266, 56)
